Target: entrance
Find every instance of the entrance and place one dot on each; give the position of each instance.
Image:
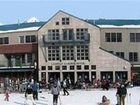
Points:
(54, 75)
(107, 76)
(121, 75)
(83, 76)
(69, 75)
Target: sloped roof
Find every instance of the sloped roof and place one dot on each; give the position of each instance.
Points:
(20, 26)
(115, 22)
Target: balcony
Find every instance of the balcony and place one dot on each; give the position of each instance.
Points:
(85, 39)
(7, 66)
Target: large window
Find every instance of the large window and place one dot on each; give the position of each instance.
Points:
(4, 40)
(120, 54)
(27, 39)
(82, 52)
(134, 37)
(68, 52)
(65, 21)
(53, 53)
(81, 33)
(53, 34)
(30, 38)
(30, 58)
(113, 37)
(68, 34)
(133, 56)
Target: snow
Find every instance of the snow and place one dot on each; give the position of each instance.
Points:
(22, 29)
(76, 97)
(32, 19)
(122, 26)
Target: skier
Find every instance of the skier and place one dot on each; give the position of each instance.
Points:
(64, 86)
(6, 95)
(122, 94)
(29, 96)
(35, 88)
(55, 90)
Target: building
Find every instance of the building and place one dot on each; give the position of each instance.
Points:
(64, 47)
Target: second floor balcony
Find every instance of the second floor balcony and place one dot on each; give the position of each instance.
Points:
(60, 40)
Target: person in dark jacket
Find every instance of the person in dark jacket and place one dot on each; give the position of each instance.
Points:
(29, 95)
(35, 88)
(55, 90)
(122, 92)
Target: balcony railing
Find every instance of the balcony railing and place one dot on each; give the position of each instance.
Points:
(16, 64)
(85, 39)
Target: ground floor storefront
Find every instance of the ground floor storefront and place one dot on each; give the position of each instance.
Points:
(112, 76)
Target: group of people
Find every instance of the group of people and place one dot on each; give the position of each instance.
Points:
(31, 92)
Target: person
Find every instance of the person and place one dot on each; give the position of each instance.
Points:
(35, 88)
(122, 94)
(117, 93)
(55, 90)
(29, 95)
(105, 101)
(6, 95)
(64, 86)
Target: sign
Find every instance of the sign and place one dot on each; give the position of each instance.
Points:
(68, 63)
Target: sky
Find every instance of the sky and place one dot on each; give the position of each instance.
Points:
(12, 11)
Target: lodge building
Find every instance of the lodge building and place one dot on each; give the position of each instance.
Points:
(67, 46)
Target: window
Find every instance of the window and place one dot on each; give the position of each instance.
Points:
(107, 37)
(134, 37)
(68, 34)
(78, 67)
(68, 52)
(86, 67)
(21, 39)
(53, 53)
(43, 75)
(57, 67)
(71, 67)
(53, 34)
(57, 23)
(81, 33)
(4, 40)
(64, 67)
(119, 37)
(120, 54)
(93, 67)
(30, 38)
(49, 67)
(43, 67)
(82, 52)
(65, 21)
(133, 56)
(113, 37)
(29, 57)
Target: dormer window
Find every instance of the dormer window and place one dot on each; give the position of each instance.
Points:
(65, 21)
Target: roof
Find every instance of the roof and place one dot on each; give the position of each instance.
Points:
(103, 23)
(115, 23)
(21, 27)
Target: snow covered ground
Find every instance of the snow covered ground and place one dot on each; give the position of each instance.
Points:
(76, 97)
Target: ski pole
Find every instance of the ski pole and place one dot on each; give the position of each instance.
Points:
(60, 100)
(130, 97)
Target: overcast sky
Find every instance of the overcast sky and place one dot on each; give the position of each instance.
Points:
(13, 10)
